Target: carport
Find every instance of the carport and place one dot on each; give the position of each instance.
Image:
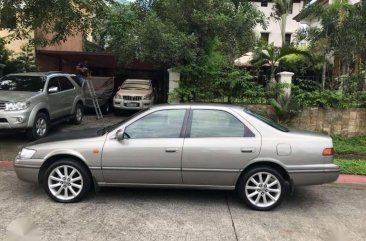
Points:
(105, 64)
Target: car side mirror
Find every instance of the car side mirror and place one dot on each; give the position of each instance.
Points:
(120, 134)
(53, 89)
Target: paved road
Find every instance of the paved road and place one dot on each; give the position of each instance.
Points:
(329, 212)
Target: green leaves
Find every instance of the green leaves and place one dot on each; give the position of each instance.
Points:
(53, 20)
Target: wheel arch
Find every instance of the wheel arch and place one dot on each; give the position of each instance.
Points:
(76, 102)
(41, 107)
(52, 159)
(265, 163)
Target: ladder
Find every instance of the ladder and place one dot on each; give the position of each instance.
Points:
(94, 98)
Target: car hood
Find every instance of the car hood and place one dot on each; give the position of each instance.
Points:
(16, 96)
(70, 135)
(134, 92)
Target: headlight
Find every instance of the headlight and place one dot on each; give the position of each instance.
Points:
(26, 153)
(16, 106)
(118, 96)
(147, 97)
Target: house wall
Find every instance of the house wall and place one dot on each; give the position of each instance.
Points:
(72, 43)
(14, 45)
(347, 122)
(273, 27)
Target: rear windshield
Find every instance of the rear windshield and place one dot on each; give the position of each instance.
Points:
(22, 83)
(267, 121)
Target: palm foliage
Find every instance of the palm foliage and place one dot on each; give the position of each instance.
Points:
(271, 56)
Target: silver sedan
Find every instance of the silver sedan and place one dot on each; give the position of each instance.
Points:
(184, 146)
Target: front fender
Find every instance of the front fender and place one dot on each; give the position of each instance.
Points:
(34, 112)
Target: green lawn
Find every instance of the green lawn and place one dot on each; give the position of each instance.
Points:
(350, 145)
(354, 167)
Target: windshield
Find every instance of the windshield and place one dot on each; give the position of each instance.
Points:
(135, 86)
(267, 121)
(22, 83)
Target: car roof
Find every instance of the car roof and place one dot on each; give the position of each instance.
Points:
(219, 105)
(38, 73)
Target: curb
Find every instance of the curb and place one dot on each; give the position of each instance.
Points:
(6, 164)
(342, 178)
(345, 178)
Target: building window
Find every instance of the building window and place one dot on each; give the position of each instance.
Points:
(265, 37)
(288, 39)
(264, 3)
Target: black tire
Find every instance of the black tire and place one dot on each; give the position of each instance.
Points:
(107, 108)
(261, 191)
(78, 114)
(40, 127)
(117, 112)
(86, 181)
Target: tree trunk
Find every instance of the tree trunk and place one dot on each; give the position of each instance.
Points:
(283, 29)
(324, 71)
(273, 78)
(364, 84)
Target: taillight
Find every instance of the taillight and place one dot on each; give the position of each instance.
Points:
(328, 152)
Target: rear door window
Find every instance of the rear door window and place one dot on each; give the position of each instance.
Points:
(65, 83)
(217, 123)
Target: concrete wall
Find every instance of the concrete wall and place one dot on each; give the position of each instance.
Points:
(273, 27)
(347, 122)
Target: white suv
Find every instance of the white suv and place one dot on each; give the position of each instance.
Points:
(134, 94)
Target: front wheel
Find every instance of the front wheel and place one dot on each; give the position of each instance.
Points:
(40, 127)
(66, 181)
(262, 188)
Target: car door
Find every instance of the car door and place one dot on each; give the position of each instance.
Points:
(217, 147)
(68, 94)
(151, 151)
(54, 97)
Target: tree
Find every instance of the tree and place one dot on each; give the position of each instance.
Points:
(280, 12)
(342, 32)
(54, 20)
(154, 31)
(270, 55)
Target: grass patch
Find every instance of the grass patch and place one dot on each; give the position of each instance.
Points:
(350, 145)
(354, 167)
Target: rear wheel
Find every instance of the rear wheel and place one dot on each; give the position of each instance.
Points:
(78, 114)
(262, 188)
(40, 127)
(66, 181)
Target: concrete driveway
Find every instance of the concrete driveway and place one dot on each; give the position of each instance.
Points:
(329, 212)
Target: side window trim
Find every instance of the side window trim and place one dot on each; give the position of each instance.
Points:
(183, 127)
(59, 78)
(190, 119)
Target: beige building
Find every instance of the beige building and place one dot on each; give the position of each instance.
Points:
(273, 31)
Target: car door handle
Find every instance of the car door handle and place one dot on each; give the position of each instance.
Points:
(247, 149)
(171, 149)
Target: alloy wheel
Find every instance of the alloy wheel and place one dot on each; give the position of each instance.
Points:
(263, 189)
(65, 182)
(41, 126)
